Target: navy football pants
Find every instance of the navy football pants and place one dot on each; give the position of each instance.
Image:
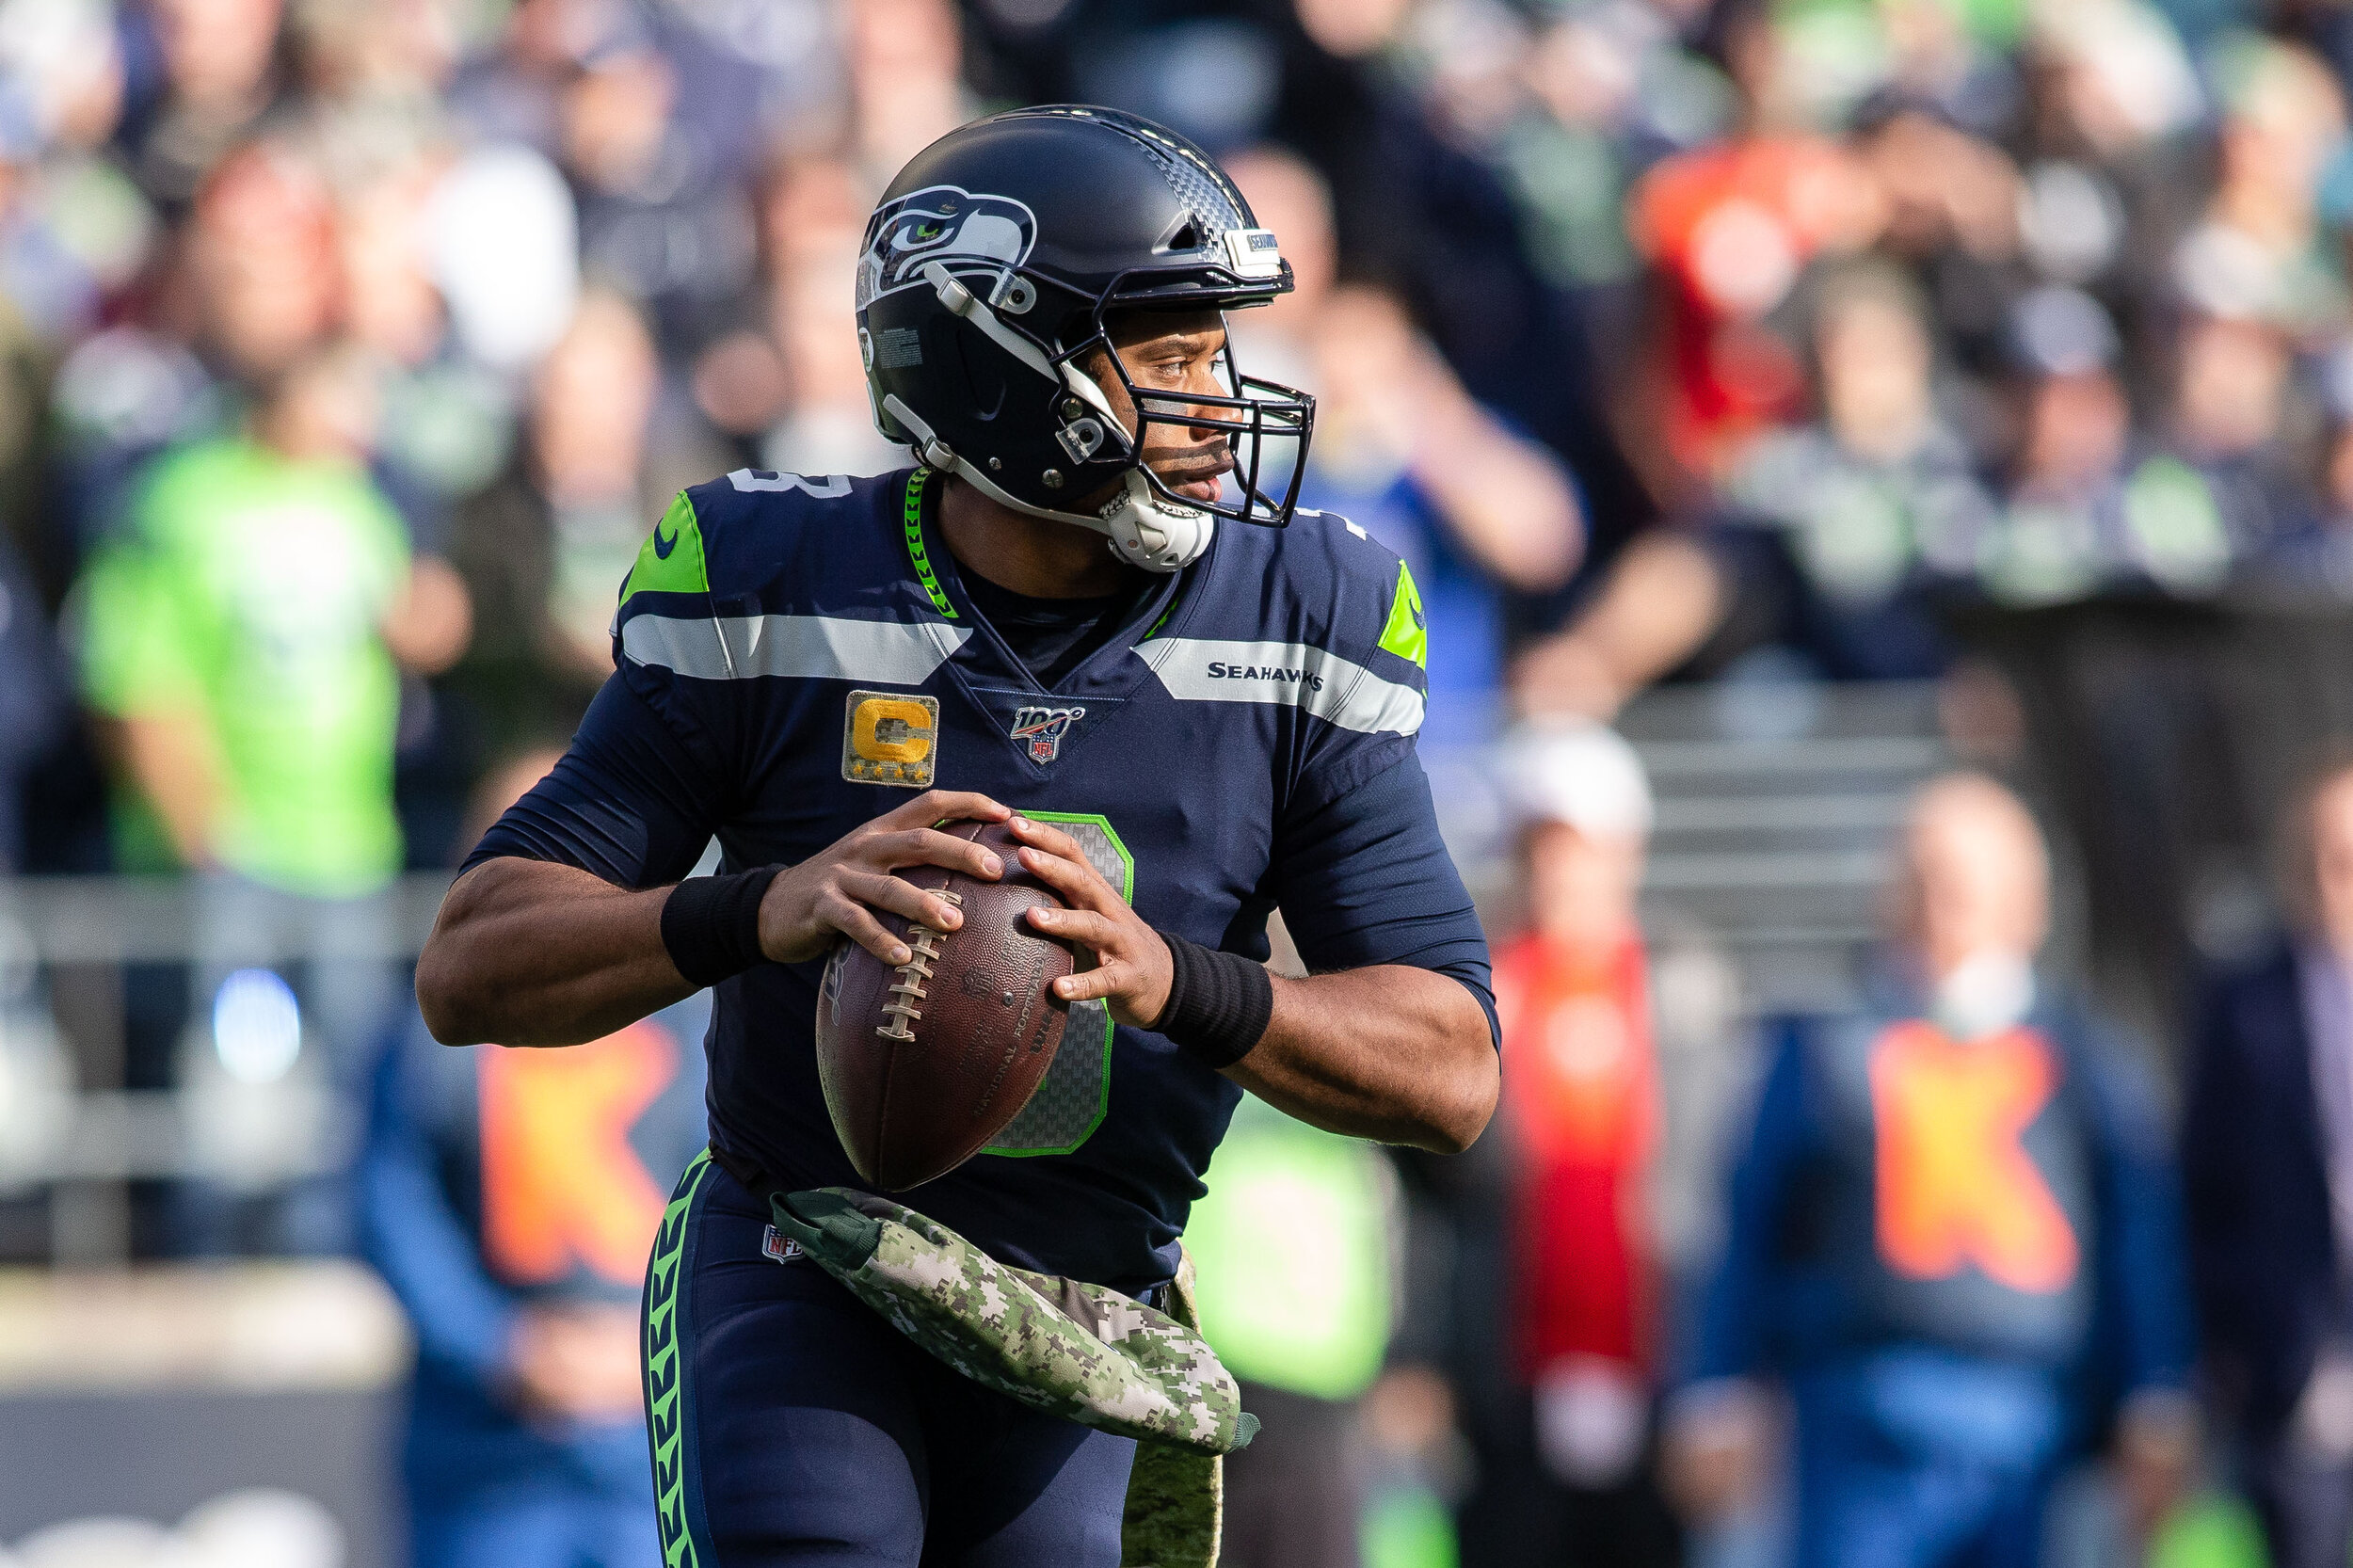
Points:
(791, 1426)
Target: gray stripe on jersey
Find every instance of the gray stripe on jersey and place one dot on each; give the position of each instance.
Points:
(1338, 690)
(805, 648)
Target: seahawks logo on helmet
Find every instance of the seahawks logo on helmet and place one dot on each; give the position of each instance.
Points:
(941, 223)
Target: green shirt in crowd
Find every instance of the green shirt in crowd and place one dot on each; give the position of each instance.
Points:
(247, 591)
(1294, 1246)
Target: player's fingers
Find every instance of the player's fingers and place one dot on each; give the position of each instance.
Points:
(1082, 926)
(927, 847)
(1074, 879)
(900, 897)
(854, 921)
(938, 806)
(1093, 984)
(1052, 840)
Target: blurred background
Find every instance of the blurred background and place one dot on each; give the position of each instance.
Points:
(1881, 477)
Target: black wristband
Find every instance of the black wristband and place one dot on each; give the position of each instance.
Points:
(710, 924)
(1219, 1003)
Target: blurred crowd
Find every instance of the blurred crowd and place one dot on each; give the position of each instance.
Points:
(1664, 337)
(349, 347)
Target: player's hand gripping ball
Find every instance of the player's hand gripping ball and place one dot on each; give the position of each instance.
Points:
(924, 1062)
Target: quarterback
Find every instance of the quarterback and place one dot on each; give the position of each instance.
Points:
(1093, 613)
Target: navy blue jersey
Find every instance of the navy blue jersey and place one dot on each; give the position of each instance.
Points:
(796, 656)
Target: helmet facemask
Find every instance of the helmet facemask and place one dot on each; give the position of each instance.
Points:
(1266, 424)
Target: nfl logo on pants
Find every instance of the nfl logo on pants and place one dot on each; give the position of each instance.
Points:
(1043, 729)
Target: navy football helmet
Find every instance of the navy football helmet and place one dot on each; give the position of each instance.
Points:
(990, 271)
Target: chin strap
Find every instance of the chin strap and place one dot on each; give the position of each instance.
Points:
(1144, 529)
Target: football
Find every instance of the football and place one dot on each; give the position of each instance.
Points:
(925, 1061)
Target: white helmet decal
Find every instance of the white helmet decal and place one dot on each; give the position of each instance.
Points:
(941, 223)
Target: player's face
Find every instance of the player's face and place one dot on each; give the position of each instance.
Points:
(1172, 358)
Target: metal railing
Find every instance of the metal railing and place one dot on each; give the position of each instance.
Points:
(96, 970)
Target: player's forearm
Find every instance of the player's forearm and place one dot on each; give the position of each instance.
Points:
(529, 952)
(1389, 1052)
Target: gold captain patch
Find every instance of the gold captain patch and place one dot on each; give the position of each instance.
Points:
(890, 738)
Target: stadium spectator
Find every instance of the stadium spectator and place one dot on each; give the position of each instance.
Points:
(509, 1198)
(508, 91)
(2229, 421)
(1953, 1237)
(248, 285)
(2256, 250)
(1477, 510)
(2090, 506)
(1580, 1098)
(1842, 529)
(1296, 1246)
(243, 637)
(1861, 518)
(1727, 230)
(222, 72)
(826, 425)
(656, 134)
(2314, 554)
(543, 548)
(2268, 1163)
(387, 62)
(1953, 202)
(904, 61)
(241, 647)
(447, 419)
(787, 353)
(261, 260)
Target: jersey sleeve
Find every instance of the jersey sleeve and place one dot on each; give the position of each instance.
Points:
(1365, 879)
(1368, 683)
(631, 802)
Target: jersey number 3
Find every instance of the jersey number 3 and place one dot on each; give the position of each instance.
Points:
(830, 487)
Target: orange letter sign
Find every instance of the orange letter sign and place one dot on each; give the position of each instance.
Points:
(1955, 1184)
(561, 1186)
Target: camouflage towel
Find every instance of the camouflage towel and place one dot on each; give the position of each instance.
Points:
(1176, 1513)
(1081, 1352)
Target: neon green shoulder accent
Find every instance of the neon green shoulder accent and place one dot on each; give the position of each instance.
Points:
(671, 560)
(913, 513)
(1407, 635)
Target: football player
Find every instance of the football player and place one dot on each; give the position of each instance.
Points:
(1090, 611)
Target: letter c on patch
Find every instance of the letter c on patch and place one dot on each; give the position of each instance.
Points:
(911, 737)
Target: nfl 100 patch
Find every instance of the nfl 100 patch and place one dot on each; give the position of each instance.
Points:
(890, 738)
(1043, 728)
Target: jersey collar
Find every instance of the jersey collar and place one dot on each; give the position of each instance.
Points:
(986, 655)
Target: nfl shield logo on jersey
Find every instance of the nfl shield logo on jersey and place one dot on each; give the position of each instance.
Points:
(1043, 729)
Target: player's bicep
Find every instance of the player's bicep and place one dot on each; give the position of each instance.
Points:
(1365, 879)
(632, 801)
